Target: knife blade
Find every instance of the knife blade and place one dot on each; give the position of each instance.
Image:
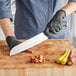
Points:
(29, 43)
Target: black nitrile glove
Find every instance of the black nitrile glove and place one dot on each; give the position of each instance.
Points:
(12, 41)
(56, 23)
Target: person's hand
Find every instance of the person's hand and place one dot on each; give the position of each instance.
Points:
(12, 41)
(56, 23)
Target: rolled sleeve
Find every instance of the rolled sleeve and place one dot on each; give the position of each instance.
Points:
(72, 0)
(5, 9)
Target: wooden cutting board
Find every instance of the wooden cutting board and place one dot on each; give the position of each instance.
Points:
(19, 64)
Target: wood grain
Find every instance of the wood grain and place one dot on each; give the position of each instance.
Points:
(19, 65)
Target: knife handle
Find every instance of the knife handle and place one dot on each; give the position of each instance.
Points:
(47, 32)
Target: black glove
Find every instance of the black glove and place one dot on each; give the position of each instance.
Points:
(12, 41)
(56, 23)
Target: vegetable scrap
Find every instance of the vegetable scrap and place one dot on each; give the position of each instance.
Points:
(37, 59)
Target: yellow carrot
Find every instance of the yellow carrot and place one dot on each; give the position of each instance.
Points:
(59, 59)
(65, 59)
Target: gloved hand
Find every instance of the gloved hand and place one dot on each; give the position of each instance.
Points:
(12, 41)
(56, 23)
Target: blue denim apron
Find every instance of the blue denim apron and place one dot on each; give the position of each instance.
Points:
(65, 33)
(32, 16)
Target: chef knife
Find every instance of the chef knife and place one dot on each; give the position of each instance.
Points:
(31, 42)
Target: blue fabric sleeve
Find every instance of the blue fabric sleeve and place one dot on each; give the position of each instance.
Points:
(5, 9)
(72, 0)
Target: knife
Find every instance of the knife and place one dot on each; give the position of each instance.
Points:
(31, 42)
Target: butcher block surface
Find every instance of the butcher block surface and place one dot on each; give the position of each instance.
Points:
(50, 49)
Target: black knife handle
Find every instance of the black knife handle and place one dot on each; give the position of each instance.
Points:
(48, 32)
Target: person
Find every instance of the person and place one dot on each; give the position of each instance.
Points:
(35, 16)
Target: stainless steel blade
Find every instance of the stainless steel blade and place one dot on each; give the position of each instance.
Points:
(29, 43)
